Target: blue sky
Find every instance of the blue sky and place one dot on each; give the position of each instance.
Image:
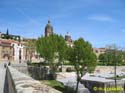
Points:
(101, 22)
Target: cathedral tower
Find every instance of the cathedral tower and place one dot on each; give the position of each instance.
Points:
(68, 40)
(48, 29)
(68, 37)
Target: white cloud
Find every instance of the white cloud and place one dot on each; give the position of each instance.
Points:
(100, 18)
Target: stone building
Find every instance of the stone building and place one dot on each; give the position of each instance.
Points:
(9, 36)
(48, 29)
(11, 47)
(11, 50)
(6, 50)
(30, 50)
(69, 40)
(99, 51)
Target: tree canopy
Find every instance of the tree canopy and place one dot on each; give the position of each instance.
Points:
(52, 47)
(82, 57)
(112, 56)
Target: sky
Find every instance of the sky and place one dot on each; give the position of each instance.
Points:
(101, 22)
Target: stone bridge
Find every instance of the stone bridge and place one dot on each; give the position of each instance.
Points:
(13, 81)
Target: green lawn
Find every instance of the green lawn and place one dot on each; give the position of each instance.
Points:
(58, 86)
(55, 84)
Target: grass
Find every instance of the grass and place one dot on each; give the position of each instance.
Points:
(55, 84)
(117, 77)
(58, 86)
(52, 83)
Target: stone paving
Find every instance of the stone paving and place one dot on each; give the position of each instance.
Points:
(2, 77)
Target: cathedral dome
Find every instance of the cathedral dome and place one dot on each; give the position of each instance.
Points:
(48, 29)
(48, 26)
(68, 37)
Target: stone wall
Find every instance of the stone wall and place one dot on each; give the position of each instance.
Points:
(109, 69)
(9, 86)
(104, 87)
(38, 73)
(21, 83)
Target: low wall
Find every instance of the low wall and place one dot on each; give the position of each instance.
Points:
(109, 69)
(17, 82)
(37, 73)
(9, 86)
(23, 67)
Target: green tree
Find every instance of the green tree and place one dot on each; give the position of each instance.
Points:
(82, 57)
(62, 46)
(52, 49)
(112, 56)
(101, 58)
(123, 56)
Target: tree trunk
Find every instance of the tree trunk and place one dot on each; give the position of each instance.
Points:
(77, 86)
(78, 80)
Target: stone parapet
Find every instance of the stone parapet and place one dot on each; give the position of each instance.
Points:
(25, 84)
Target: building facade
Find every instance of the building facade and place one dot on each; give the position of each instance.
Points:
(99, 51)
(6, 50)
(11, 48)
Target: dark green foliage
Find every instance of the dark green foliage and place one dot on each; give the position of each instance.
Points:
(82, 57)
(52, 48)
(9, 36)
(111, 56)
(7, 33)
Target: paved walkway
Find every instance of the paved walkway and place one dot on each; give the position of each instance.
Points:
(2, 77)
